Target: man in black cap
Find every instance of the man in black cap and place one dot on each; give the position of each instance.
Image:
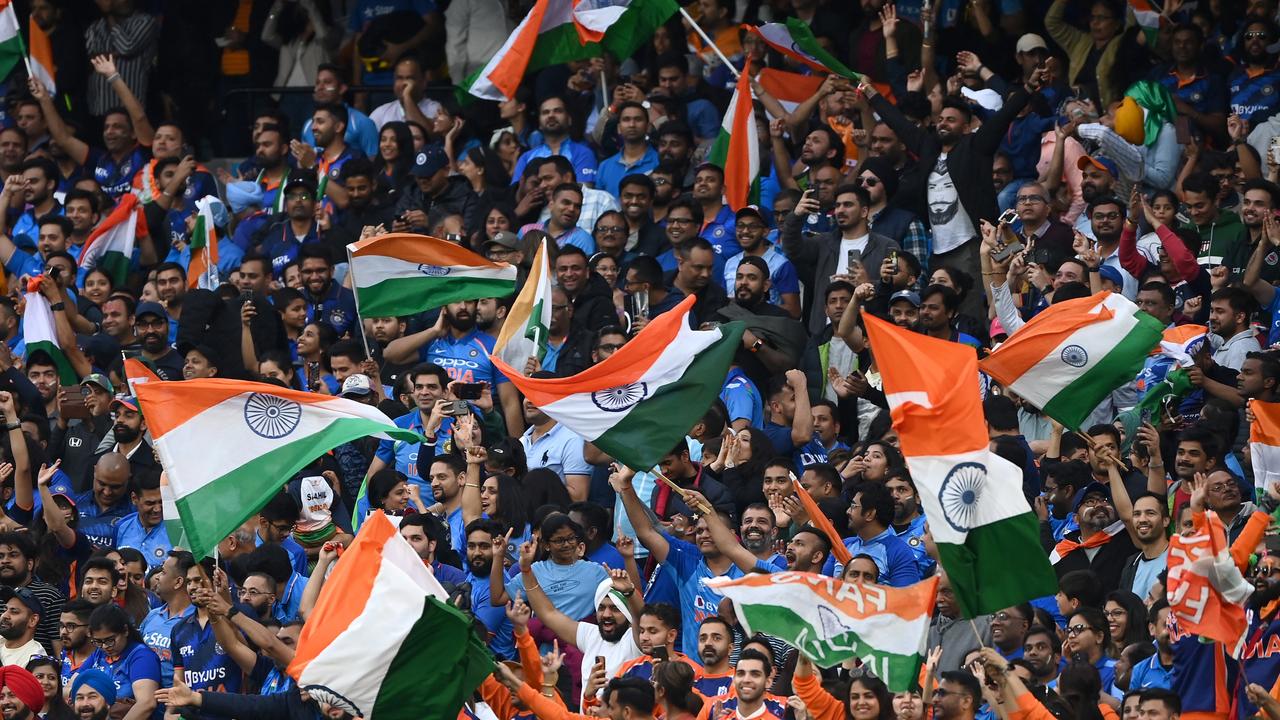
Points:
(433, 191)
(783, 287)
(151, 325)
(198, 361)
(297, 227)
(18, 621)
(902, 226)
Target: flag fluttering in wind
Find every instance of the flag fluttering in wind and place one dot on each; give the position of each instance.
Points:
(831, 621)
(41, 61)
(12, 50)
(382, 642)
(403, 274)
(265, 434)
(110, 244)
(620, 25)
(203, 270)
(524, 333)
(737, 148)
(639, 402)
(1206, 590)
(988, 539)
(795, 40)
(1067, 359)
(1264, 443)
(788, 88)
(41, 331)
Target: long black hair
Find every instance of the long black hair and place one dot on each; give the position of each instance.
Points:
(883, 697)
(397, 175)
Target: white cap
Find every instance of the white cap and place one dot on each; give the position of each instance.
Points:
(1031, 41)
(357, 384)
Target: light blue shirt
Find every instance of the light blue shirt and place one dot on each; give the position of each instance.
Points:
(571, 588)
(361, 132)
(613, 169)
(153, 544)
(783, 279)
(559, 450)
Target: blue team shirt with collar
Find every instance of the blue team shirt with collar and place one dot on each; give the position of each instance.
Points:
(783, 279)
(137, 662)
(720, 232)
(897, 563)
(465, 359)
(286, 608)
(116, 178)
(205, 664)
(68, 670)
(742, 398)
(697, 601)
(613, 169)
(580, 156)
(814, 452)
(1257, 95)
(1206, 92)
(157, 632)
(405, 454)
(913, 536)
(97, 524)
(335, 308)
(501, 641)
(283, 248)
(153, 543)
(27, 229)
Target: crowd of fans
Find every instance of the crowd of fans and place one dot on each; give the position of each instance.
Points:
(997, 157)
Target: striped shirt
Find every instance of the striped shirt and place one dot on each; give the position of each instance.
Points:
(133, 42)
(52, 600)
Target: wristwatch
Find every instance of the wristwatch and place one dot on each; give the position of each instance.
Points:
(755, 346)
(58, 306)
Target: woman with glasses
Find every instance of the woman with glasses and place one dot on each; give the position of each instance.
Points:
(1089, 640)
(133, 666)
(568, 580)
(48, 672)
(1126, 619)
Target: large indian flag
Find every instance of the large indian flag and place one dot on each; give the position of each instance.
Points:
(1071, 356)
(988, 539)
(41, 333)
(644, 398)
(524, 332)
(264, 434)
(403, 274)
(795, 40)
(382, 642)
(831, 621)
(737, 148)
(110, 244)
(203, 270)
(788, 88)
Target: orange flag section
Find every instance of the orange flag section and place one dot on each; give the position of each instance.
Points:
(930, 390)
(169, 404)
(1042, 335)
(820, 521)
(1206, 589)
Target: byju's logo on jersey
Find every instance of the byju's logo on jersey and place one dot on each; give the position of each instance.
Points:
(433, 270)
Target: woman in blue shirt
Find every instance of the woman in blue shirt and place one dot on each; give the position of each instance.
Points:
(130, 663)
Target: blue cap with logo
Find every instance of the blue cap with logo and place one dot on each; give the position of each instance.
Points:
(429, 161)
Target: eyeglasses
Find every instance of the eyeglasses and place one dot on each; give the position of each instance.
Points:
(1114, 614)
(1030, 199)
(680, 221)
(660, 181)
(1077, 629)
(1106, 216)
(560, 308)
(252, 593)
(750, 227)
(1267, 571)
(102, 642)
(869, 181)
(72, 626)
(611, 229)
(609, 347)
(563, 540)
(1091, 501)
(295, 196)
(1003, 616)
(284, 528)
(1256, 35)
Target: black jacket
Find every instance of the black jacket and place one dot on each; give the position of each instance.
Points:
(456, 197)
(77, 446)
(1108, 564)
(593, 308)
(969, 162)
(287, 705)
(815, 260)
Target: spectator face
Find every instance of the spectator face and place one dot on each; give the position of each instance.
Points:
(1255, 206)
(671, 80)
(408, 74)
(1223, 319)
(714, 643)
(849, 211)
(777, 479)
(561, 312)
(360, 188)
(170, 285)
(1103, 24)
(873, 186)
(633, 124)
(708, 186)
(116, 320)
(571, 272)
(1223, 493)
(1185, 46)
(98, 589)
(1039, 650)
(861, 570)
(611, 238)
(117, 133)
(608, 345)
(328, 88)
(825, 181)
(300, 204)
(566, 208)
(817, 146)
(480, 545)
(636, 202)
(1033, 206)
(1008, 625)
(445, 484)
(803, 552)
(167, 142)
(426, 391)
(17, 622)
(494, 222)
(1152, 302)
(837, 301)
(905, 500)
(825, 424)
(1190, 459)
(908, 706)
(316, 274)
(1095, 512)
(37, 187)
(45, 378)
(680, 225)
(1149, 523)
(251, 277)
(1068, 271)
(750, 680)
(951, 701)
(294, 318)
(73, 632)
(30, 121)
(78, 211)
(952, 125)
(1254, 43)
(673, 148)
(885, 143)
(750, 285)
(750, 233)
(51, 239)
(548, 177)
(269, 149)
(326, 128)
(695, 270)
(13, 148)
(934, 315)
(1095, 183)
(553, 117)
(153, 331)
(196, 365)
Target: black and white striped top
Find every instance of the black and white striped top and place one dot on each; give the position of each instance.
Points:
(133, 42)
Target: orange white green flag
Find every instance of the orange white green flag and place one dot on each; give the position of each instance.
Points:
(1264, 443)
(265, 435)
(987, 537)
(524, 333)
(41, 60)
(12, 51)
(110, 244)
(203, 270)
(737, 148)
(383, 643)
(403, 274)
(642, 400)
(831, 621)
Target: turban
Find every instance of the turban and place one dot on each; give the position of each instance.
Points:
(244, 194)
(97, 680)
(24, 685)
(605, 590)
(1129, 122)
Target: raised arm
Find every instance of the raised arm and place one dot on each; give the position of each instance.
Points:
(315, 583)
(723, 537)
(105, 65)
(22, 497)
(53, 517)
(219, 606)
(627, 549)
(802, 419)
(476, 457)
(638, 513)
(562, 625)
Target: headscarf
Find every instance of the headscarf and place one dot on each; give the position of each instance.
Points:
(605, 589)
(243, 195)
(1156, 104)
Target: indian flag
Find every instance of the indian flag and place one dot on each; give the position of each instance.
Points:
(1147, 17)
(265, 435)
(1264, 443)
(173, 526)
(403, 274)
(110, 244)
(988, 539)
(41, 332)
(795, 40)
(737, 149)
(41, 64)
(12, 51)
(831, 621)
(788, 88)
(382, 642)
(642, 400)
(1069, 357)
(202, 272)
(524, 333)
(619, 24)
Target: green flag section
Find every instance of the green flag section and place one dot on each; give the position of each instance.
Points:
(737, 149)
(404, 274)
(1067, 359)
(557, 31)
(41, 333)
(264, 434)
(639, 402)
(110, 244)
(524, 332)
(382, 643)
(831, 621)
(11, 49)
(987, 537)
(795, 40)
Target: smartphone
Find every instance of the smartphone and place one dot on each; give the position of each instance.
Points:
(600, 659)
(71, 405)
(1007, 251)
(467, 391)
(458, 408)
(852, 259)
(893, 262)
(659, 653)
(1275, 150)
(455, 238)
(1007, 217)
(246, 296)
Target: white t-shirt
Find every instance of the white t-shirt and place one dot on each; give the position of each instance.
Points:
(393, 110)
(20, 656)
(592, 644)
(858, 243)
(951, 226)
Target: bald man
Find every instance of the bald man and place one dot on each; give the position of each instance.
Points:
(102, 506)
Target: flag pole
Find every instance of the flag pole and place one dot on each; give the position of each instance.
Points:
(698, 29)
(355, 291)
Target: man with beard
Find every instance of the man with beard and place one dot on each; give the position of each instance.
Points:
(818, 258)
(101, 507)
(127, 436)
(871, 512)
(636, 156)
(486, 545)
(1042, 650)
(1098, 176)
(37, 183)
(808, 551)
(92, 694)
(425, 533)
(675, 151)
(198, 658)
(1156, 671)
(282, 240)
(715, 644)
(100, 581)
(1252, 85)
(554, 122)
(1009, 628)
(121, 156)
(21, 696)
(1039, 226)
(270, 156)
(949, 631)
(330, 152)
(17, 572)
(908, 521)
(151, 327)
(695, 266)
(77, 651)
(143, 530)
(781, 286)
(43, 373)
(328, 302)
(665, 188)
(749, 697)
(718, 217)
(588, 292)
(656, 632)
(330, 87)
(758, 529)
(638, 196)
(611, 636)
(367, 203)
(1107, 218)
(19, 616)
(939, 305)
(170, 585)
(1099, 545)
(258, 592)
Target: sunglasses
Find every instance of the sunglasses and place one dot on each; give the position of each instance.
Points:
(869, 181)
